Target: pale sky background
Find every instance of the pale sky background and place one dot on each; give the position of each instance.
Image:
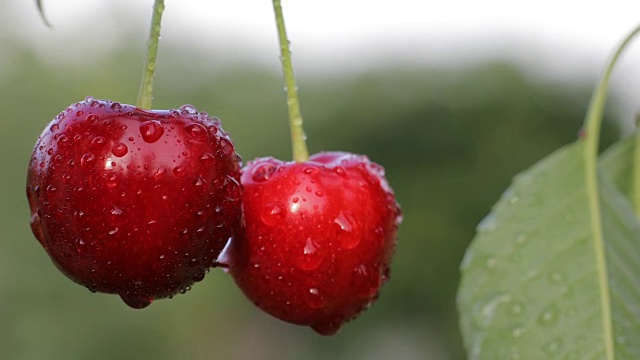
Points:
(558, 39)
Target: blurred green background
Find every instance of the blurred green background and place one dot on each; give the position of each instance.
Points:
(449, 138)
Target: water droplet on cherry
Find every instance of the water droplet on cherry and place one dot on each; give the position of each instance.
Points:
(315, 300)
(208, 159)
(97, 142)
(188, 109)
(179, 171)
(346, 223)
(232, 189)
(327, 327)
(91, 118)
(199, 181)
(272, 214)
(366, 280)
(116, 216)
(111, 180)
(197, 132)
(119, 149)
(88, 160)
(198, 276)
(226, 146)
(311, 257)
(311, 170)
(151, 131)
(136, 301)
(263, 172)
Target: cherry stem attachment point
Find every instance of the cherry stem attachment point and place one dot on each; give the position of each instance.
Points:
(145, 97)
(298, 138)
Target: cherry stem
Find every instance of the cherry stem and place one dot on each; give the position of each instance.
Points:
(145, 97)
(298, 138)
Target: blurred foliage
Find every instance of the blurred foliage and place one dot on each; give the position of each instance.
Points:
(450, 141)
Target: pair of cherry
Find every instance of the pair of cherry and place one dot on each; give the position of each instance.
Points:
(142, 203)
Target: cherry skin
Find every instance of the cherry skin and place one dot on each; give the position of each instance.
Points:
(317, 239)
(134, 202)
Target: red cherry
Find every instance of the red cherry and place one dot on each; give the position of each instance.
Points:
(318, 238)
(133, 202)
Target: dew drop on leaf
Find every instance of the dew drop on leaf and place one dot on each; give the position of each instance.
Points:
(549, 316)
(485, 311)
(517, 332)
(516, 308)
(553, 347)
(556, 278)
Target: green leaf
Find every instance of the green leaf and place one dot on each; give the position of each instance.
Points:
(616, 163)
(553, 274)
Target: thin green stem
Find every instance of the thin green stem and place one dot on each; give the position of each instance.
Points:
(591, 127)
(145, 97)
(298, 138)
(636, 170)
(593, 119)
